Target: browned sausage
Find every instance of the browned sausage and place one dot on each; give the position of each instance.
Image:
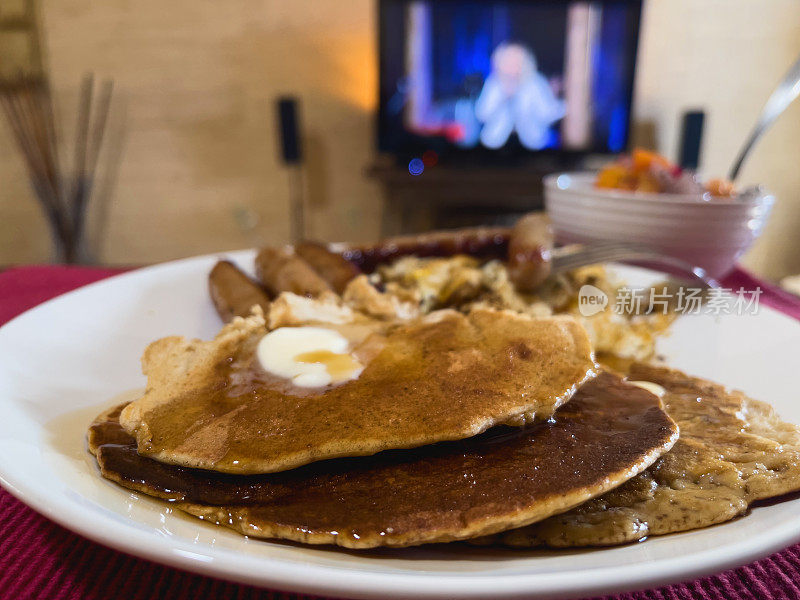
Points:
(333, 268)
(480, 242)
(233, 293)
(281, 270)
(529, 251)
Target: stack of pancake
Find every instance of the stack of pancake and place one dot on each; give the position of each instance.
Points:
(487, 426)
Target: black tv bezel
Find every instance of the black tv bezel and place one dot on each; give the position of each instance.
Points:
(413, 146)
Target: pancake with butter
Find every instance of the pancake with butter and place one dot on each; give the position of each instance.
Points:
(448, 376)
(732, 451)
(506, 477)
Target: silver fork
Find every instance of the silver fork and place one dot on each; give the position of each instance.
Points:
(573, 256)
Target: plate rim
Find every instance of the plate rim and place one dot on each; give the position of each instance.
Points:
(353, 582)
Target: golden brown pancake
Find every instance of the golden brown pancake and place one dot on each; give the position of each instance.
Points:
(210, 405)
(504, 478)
(732, 451)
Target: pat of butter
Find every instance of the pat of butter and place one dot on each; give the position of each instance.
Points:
(651, 387)
(309, 356)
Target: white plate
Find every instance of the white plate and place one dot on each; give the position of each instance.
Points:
(65, 360)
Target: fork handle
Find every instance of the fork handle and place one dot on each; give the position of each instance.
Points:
(786, 92)
(697, 273)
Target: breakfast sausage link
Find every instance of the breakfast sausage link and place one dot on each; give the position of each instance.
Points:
(481, 242)
(281, 270)
(333, 268)
(233, 293)
(529, 251)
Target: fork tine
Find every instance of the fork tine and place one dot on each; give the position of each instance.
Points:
(612, 252)
(587, 256)
(568, 251)
(593, 256)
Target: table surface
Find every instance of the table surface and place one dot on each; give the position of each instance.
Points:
(39, 559)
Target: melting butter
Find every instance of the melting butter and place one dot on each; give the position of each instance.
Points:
(309, 356)
(651, 387)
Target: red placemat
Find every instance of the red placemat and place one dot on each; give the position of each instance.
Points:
(39, 559)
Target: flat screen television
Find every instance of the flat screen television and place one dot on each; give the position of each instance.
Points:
(490, 78)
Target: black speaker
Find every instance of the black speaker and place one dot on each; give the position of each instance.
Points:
(691, 139)
(289, 127)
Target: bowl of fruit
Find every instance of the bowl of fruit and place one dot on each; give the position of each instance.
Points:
(644, 199)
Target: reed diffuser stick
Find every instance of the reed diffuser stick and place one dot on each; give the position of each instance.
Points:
(28, 107)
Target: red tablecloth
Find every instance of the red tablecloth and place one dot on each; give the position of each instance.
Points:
(39, 559)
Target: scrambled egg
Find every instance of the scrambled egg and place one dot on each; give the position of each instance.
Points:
(464, 283)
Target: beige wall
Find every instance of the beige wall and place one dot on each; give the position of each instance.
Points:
(195, 79)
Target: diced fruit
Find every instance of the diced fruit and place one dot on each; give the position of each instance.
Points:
(643, 160)
(720, 187)
(647, 171)
(614, 176)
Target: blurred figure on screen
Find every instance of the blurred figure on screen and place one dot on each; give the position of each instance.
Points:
(516, 97)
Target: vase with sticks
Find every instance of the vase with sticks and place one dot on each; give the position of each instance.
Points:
(28, 106)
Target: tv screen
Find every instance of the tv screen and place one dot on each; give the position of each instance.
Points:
(506, 77)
